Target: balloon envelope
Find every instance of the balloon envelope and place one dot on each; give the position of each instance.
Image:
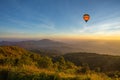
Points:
(86, 17)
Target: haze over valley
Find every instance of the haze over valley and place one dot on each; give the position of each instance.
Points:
(110, 47)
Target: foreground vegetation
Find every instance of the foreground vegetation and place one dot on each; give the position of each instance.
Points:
(19, 64)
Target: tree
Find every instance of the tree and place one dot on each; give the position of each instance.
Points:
(45, 62)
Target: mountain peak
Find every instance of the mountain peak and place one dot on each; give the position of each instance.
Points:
(46, 40)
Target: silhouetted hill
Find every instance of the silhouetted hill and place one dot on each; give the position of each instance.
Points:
(35, 44)
(44, 45)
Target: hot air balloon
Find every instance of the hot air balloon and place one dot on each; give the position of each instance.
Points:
(86, 17)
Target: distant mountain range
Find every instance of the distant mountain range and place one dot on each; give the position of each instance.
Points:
(44, 45)
(47, 46)
(31, 44)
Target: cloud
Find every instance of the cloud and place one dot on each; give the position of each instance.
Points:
(110, 28)
(38, 24)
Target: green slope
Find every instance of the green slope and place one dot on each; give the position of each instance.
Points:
(19, 64)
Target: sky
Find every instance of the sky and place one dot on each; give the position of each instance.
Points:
(59, 19)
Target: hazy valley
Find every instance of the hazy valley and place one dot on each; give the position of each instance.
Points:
(109, 47)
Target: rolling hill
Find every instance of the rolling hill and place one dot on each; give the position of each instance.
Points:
(17, 63)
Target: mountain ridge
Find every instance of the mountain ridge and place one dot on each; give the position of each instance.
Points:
(41, 45)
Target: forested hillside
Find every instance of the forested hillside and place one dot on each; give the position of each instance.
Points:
(19, 64)
(103, 62)
(110, 65)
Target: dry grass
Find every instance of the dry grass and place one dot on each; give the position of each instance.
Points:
(34, 70)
